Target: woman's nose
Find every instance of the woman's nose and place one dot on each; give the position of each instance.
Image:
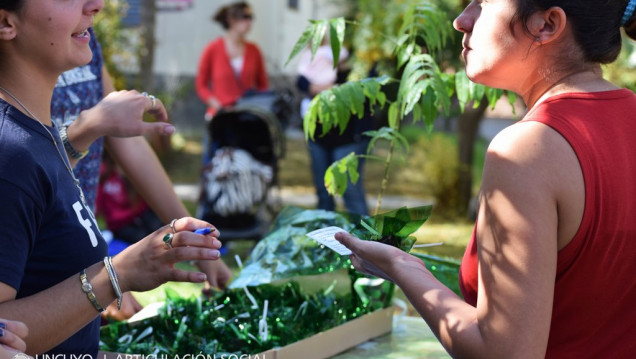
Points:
(465, 21)
(92, 7)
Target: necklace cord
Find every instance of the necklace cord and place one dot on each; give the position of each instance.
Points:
(63, 157)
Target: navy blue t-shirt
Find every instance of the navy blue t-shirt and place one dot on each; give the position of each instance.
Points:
(48, 234)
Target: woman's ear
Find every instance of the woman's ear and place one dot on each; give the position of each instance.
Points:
(547, 26)
(7, 25)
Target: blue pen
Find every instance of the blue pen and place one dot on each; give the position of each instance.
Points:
(204, 231)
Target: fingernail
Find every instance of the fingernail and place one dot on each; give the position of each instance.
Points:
(201, 277)
(214, 254)
(168, 130)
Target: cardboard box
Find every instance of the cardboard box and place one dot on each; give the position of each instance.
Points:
(319, 346)
(338, 339)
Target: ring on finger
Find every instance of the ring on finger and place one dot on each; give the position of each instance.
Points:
(153, 101)
(144, 94)
(167, 240)
(172, 225)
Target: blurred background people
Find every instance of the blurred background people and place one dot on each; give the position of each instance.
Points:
(126, 213)
(230, 66)
(315, 76)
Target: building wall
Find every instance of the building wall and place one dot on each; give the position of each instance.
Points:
(182, 35)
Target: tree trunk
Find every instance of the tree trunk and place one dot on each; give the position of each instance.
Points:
(161, 144)
(467, 134)
(147, 50)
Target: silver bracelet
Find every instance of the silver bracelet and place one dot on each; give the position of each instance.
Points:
(68, 147)
(108, 262)
(87, 288)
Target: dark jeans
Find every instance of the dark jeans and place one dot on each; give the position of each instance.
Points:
(321, 158)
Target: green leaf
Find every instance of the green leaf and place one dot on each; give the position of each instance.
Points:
(318, 35)
(358, 99)
(512, 98)
(371, 90)
(404, 54)
(414, 95)
(468, 91)
(428, 104)
(348, 96)
(336, 176)
(350, 165)
(336, 32)
(302, 42)
(393, 115)
(478, 92)
(493, 94)
(462, 88)
(417, 114)
(311, 118)
(343, 116)
(401, 142)
(391, 135)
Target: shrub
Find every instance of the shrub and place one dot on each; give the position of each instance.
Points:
(433, 164)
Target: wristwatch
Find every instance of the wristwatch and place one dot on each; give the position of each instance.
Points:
(87, 288)
(68, 147)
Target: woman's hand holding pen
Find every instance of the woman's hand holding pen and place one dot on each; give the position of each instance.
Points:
(150, 262)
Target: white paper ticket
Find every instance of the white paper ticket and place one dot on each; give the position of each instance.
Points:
(326, 237)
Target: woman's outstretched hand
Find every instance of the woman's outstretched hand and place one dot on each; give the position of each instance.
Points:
(375, 258)
(149, 263)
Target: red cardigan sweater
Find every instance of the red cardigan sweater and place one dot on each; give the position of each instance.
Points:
(215, 77)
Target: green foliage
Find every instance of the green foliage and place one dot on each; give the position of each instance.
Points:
(333, 108)
(423, 88)
(623, 71)
(314, 34)
(436, 157)
(371, 49)
(378, 28)
(336, 174)
(112, 39)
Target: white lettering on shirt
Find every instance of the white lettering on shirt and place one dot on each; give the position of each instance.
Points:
(87, 223)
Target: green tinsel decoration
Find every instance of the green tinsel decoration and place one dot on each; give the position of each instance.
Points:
(229, 322)
(232, 322)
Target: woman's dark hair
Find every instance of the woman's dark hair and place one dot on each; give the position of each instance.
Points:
(596, 24)
(231, 11)
(11, 5)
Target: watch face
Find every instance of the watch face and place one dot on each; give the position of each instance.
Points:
(87, 287)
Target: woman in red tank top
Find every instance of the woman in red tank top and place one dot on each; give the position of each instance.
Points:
(551, 267)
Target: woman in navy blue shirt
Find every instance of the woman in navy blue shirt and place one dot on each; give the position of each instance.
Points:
(54, 276)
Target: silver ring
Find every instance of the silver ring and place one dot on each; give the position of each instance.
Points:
(153, 100)
(167, 240)
(174, 231)
(144, 94)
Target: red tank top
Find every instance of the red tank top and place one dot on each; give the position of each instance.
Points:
(594, 310)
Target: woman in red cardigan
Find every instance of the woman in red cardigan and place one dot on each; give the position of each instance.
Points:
(230, 65)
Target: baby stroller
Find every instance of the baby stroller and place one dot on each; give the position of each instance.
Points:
(236, 184)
